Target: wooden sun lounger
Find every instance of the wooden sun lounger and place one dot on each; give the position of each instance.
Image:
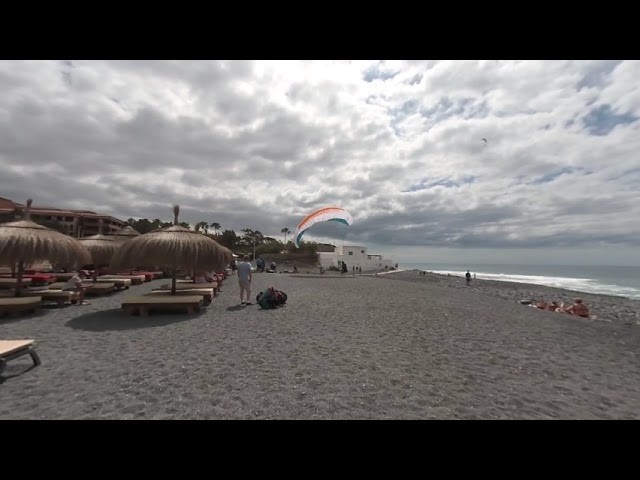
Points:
(12, 349)
(207, 293)
(148, 275)
(147, 303)
(99, 288)
(19, 305)
(135, 279)
(55, 296)
(120, 284)
(190, 285)
(63, 277)
(92, 287)
(8, 283)
(157, 275)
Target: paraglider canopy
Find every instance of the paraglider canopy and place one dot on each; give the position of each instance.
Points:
(333, 214)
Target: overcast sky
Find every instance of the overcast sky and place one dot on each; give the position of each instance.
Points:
(399, 144)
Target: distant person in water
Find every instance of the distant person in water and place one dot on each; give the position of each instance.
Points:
(468, 277)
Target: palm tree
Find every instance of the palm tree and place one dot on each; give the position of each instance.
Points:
(285, 230)
(215, 226)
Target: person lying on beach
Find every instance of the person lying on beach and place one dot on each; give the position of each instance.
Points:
(578, 308)
(541, 304)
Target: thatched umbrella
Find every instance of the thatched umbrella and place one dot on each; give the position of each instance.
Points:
(102, 247)
(125, 233)
(27, 242)
(228, 255)
(173, 247)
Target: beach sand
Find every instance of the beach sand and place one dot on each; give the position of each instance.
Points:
(397, 346)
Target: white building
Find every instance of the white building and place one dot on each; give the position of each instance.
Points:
(355, 256)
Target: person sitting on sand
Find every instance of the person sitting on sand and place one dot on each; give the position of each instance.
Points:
(74, 284)
(578, 308)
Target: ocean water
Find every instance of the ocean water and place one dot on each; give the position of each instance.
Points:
(608, 280)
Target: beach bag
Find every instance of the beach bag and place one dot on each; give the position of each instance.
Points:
(271, 298)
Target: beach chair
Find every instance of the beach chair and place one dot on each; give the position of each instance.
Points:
(145, 304)
(135, 279)
(12, 349)
(8, 283)
(99, 288)
(19, 305)
(122, 284)
(52, 295)
(189, 285)
(207, 293)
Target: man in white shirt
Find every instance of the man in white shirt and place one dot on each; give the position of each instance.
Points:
(244, 280)
(74, 284)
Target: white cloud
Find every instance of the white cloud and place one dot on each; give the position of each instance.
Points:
(398, 143)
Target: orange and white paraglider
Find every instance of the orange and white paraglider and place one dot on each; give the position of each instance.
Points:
(329, 214)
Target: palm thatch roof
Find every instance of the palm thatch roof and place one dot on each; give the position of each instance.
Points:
(25, 242)
(228, 255)
(125, 233)
(171, 247)
(102, 247)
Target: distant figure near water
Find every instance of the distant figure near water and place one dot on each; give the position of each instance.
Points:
(468, 277)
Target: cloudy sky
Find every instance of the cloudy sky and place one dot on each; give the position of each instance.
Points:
(399, 144)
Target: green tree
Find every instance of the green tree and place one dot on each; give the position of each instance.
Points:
(203, 225)
(215, 226)
(285, 230)
(250, 235)
(228, 239)
(308, 247)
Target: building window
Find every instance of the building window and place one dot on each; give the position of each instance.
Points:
(361, 251)
(350, 253)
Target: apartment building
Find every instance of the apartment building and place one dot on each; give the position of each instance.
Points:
(76, 223)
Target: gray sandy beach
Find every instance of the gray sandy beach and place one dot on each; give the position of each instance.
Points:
(398, 346)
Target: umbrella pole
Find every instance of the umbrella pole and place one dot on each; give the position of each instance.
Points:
(173, 281)
(19, 283)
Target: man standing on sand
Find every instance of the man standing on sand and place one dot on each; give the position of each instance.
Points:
(244, 280)
(468, 277)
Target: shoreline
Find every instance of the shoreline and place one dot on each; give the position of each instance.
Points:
(604, 307)
(590, 282)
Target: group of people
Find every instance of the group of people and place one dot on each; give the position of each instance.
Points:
(261, 265)
(578, 308)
